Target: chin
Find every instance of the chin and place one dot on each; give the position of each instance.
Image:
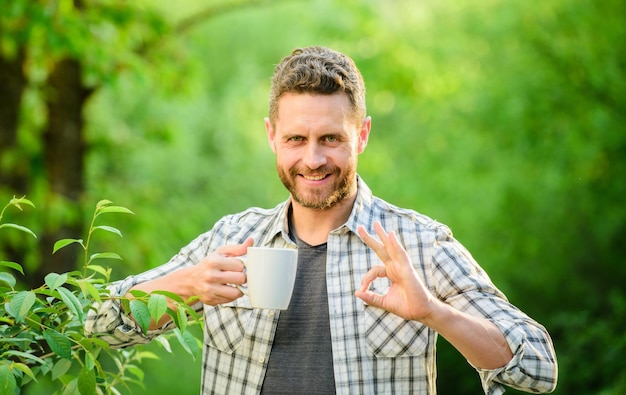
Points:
(319, 201)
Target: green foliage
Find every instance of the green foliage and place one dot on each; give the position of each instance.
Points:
(502, 119)
(103, 39)
(16, 202)
(99, 32)
(41, 330)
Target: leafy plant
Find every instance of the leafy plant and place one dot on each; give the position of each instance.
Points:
(41, 329)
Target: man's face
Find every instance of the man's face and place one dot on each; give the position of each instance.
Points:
(317, 143)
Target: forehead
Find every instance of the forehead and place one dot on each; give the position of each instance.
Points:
(314, 110)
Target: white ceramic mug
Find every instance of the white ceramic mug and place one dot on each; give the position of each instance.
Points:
(271, 275)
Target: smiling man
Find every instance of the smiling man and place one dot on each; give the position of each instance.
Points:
(376, 284)
(317, 141)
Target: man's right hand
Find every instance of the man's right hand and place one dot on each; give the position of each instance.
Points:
(212, 280)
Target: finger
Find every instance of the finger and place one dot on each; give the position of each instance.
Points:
(395, 245)
(223, 294)
(372, 242)
(393, 248)
(237, 249)
(370, 298)
(228, 293)
(236, 277)
(380, 231)
(396, 250)
(382, 247)
(375, 272)
(368, 238)
(216, 263)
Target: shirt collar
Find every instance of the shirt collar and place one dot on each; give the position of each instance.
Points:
(279, 227)
(362, 204)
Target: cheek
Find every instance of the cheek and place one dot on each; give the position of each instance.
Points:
(286, 158)
(348, 155)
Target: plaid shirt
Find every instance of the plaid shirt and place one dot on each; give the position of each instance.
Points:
(373, 351)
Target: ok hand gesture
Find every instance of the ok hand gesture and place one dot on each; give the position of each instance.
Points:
(407, 297)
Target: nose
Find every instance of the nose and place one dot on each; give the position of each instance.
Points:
(314, 156)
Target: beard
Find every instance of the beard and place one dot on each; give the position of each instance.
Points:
(319, 198)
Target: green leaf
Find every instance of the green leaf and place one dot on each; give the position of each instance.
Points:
(22, 343)
(109, 229)
(141, 314)
(114, 209)
(24, 368)
(65, 242)
(125, 303)
(170, 295)
(173, 314)
(60, 368)
(136, 371)
(71, 388)
(23, 355)
(19, 227)
(157, 305)
(99, 269)
(187, 341)
(8, 278)
(72, 303)
(58, 343)
(102, 203)
(89, 290)
(104, 255)
(20, 305)
(138, 293)
(87, 382)
(191, 313)
(13, 265)
(148, 354)
(164, 342)
(90, 362)
(90, 342)
(74, 274)
(17, 201)
(55, 280)
(182, 319)
(7, 380)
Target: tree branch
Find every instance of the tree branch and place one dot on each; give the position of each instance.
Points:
(202, 16)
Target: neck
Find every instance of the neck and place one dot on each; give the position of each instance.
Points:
(314, 225)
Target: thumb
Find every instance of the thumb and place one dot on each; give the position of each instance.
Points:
(369, 298)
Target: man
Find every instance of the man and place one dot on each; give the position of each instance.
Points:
(375, 284)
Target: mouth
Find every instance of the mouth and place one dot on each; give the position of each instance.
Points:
(314, 177)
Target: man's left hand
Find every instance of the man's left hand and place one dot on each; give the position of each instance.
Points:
(407, 297)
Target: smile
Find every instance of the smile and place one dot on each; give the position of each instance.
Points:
(314, 178)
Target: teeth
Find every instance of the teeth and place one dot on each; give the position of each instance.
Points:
(314, 178)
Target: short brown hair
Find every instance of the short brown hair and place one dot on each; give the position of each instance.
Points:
(318, 70)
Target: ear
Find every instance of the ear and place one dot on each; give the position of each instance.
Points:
(271, 135)
(364, 134)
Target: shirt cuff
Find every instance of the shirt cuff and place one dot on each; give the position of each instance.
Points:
(515, 338)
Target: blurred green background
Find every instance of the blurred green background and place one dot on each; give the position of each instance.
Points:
(503, 119)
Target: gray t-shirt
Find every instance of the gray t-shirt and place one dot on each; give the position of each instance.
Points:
(301, 361)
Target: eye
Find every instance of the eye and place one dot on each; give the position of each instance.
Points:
(296, 138)
(331, 139)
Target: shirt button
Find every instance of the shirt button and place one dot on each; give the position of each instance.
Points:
(271, 313)
(262, 359)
